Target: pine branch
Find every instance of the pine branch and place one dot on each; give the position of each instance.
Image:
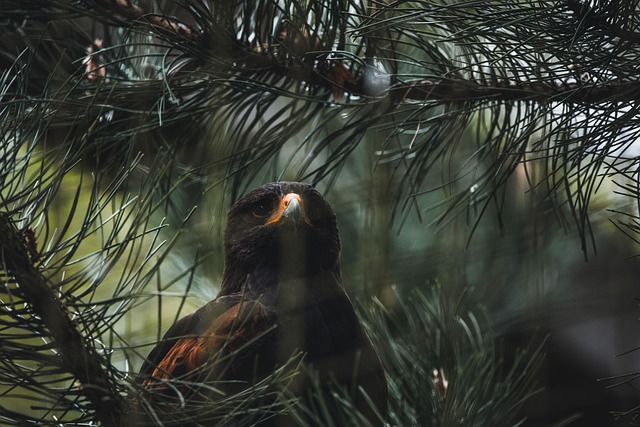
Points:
(443, 365)
(77, 357)
(335, 76)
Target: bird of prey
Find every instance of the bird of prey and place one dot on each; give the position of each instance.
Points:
(281, 295)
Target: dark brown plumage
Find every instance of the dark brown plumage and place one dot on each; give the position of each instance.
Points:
(281, 294)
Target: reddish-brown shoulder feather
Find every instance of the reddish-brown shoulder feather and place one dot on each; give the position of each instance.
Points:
(201, 345)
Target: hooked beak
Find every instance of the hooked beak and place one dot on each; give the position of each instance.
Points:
(290, 209)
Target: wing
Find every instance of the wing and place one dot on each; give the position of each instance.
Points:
(215, 340)
(184, 328)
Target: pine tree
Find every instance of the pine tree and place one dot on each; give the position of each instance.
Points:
(129, 127)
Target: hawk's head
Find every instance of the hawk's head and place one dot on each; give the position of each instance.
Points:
(279, 230)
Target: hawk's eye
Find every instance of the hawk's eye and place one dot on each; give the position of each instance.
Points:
(262, 210)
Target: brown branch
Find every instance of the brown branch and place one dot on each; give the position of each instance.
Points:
(322, 73)
(446, 89)
(77, 357)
